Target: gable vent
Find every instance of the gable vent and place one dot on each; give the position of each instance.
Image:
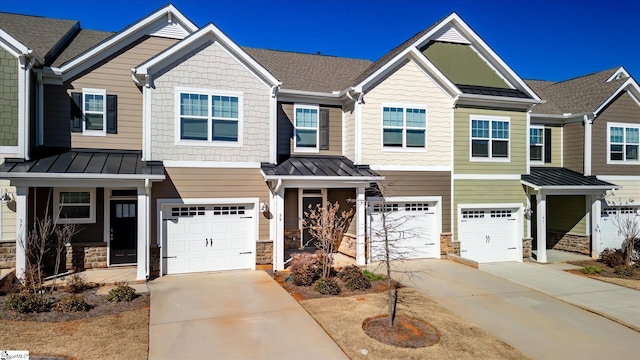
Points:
(170, 30)
(451, 35)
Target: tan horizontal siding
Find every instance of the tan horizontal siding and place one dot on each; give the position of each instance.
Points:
(629, 192)
(349, 131)
(8, 213)
(211, 183)
(574, 147)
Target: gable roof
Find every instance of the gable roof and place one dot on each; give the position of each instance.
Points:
(309, 72)
(562, 178)
(83, 41)
(583, 94)
(311, 167)
(45, 36)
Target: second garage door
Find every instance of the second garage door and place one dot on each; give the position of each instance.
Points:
(210, 238)
(610, 218)
(488, 235)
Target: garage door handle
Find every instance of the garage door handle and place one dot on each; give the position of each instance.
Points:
(511, 248)
(246, 217)
(430, 244)
(246, 252)
(169, 257)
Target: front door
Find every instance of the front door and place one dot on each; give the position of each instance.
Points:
(308, 203)
(124, 232)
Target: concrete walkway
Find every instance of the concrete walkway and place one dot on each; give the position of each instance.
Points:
(615, 302)
(232, 315)
(539, 325)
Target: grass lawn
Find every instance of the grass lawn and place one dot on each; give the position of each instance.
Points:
(608, 275)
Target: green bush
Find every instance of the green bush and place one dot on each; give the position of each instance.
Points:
(327, 287)
(371, 276)
(358, 283)
(122, 292)
(305, 269)
(611, 257)
(76, 283)
(623, 270)
(349, 272)
(72, 303)
(27, 302)
(591, 269)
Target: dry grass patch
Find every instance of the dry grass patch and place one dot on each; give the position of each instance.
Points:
(342, 318)
(121, 336)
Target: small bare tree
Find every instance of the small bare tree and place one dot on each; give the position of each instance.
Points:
(326, 225)
(626, 223)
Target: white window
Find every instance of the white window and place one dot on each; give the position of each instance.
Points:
(404, 127)
(536, 144)
(75, 206)
(306, 128)
(624, 141)
(489, 138)
(206, 117)
(94, 109)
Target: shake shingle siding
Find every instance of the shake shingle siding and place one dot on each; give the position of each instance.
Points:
(8, 99)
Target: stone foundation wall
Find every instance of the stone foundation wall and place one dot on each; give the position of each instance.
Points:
(569, 242)
(348, 245)
(264, 253)
(527, 247)
(448, 246)
(292, 239)
(154, 261)
(7, 255)
(86, 256)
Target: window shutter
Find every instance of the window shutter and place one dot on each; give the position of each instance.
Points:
(112, 114)
(76, 112)
(324, 129)
(547, 145)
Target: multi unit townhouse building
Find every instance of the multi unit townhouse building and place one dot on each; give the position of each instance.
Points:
(176, 150)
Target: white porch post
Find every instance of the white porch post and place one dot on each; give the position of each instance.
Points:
(596, 208)
(278, 223)
(360, 233)
(143, 234)
(21, 230)
(541, 213)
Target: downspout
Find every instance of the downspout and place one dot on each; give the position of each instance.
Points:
(25, 121)
(588, 122)
(273, 124)
(40, 109)
(358, 130)
(147, 223)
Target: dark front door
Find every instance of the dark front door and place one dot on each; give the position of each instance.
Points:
(313, 201)
(124, 232)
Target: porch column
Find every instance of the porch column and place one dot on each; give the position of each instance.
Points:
(277, 206)
(541, 213)
(143, 233)
(360, 233)
(21, 230)
(596, 208)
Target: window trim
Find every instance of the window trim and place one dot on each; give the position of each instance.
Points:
(92, 206)
(624, 144)
(404, 147)
(102, 132)
(542, 146)
(209, 93)
(306, 149)
(490, 157)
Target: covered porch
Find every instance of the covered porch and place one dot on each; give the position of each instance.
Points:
(105, 194)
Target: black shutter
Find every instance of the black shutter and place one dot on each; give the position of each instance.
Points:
(324, 129)
(76, 112)
(112, 114)
(547, 145)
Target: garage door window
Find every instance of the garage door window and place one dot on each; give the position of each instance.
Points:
(416, 207)
(228, 210)
(500, 213)
(187, 211)
(472, 214)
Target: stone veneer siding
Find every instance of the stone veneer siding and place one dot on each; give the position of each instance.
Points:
(448, 246)
(569, 242)
(7, 255)
(291, 239)
(154, 261)
(527, 247)
(264, 253)
(86, 256)
(8, 99)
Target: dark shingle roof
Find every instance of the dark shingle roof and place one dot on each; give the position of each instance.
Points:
(554, 176)
(309, 72)
(83, 162)
(43, 35)
(318, 166)
(492, 91)
(578, 95)
(83, 41)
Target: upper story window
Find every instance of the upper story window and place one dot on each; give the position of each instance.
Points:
(536, 144)
(404, 127)
(93, 112)
(624, 140)
(75, 206)
(306, 127)
(489, 138)
(209, 117)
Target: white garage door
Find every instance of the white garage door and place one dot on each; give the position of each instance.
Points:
(210, 238)
(610, 236)
(413, 230)
(488, 235)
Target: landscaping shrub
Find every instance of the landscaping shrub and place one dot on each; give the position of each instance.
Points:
(27, 302)
(358, 283)
(122, 292)
(327, 287)
(611, 257)
(349, 272)
(371, 276)
(72, 303)
(76, 283)
(591, 269)
(623, 270)
(305, 269)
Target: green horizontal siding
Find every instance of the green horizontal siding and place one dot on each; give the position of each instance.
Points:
(567, 214)
(462, 65)
(8, 99)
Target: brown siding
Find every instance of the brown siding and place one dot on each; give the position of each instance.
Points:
(623, 110)
(342, 196)
(210, 183)
(286, 130)
(291, 209)
(113, 75)
(421, 183)
(573, 147)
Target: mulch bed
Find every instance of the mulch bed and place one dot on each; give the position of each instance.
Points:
(308, 292)
(607, 270)
(406, 332)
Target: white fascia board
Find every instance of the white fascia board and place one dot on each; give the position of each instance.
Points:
(13, 46)
(118, 41)
(474, 99)
(38, 176)
(631, 84)
(572, 188)
(621, 70)
(445, 84)
(315, 94)
(184, 46)
(614, 178)
(351, 179)
(309, 97)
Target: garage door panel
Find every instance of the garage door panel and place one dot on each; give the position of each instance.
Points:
(610, 235)
(488, 235)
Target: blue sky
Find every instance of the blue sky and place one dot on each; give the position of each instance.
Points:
(539, 39)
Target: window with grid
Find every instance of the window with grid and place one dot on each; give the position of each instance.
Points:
(209, 117)
(536, 144)
(624, 142)
(489, 139)
(404, 127)
(75, 205)
(306, 127)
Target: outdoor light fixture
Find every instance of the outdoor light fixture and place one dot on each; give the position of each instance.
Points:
(6, 196)
(528, 211)
(264, 207)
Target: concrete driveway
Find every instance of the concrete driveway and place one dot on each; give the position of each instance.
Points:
(539, 325)
(232, 315)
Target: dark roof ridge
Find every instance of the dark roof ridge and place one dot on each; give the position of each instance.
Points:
(37, 16)
(587, 75)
